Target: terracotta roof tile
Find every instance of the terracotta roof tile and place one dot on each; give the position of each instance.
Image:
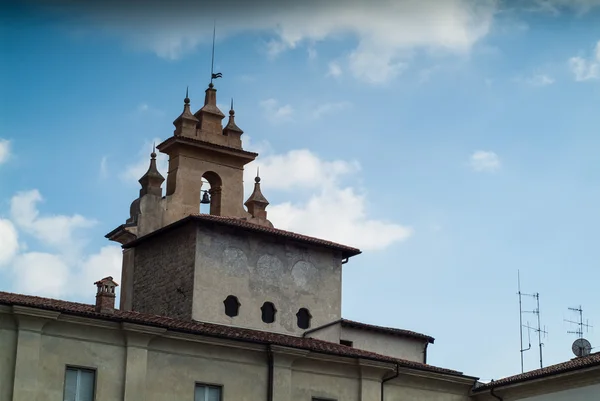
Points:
(347, 251)
(386, 330)
(573, 364)
(213, 330)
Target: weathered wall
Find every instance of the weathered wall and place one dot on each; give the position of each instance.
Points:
(8, 346)
(163, 274)
(71, 344)
(385, 344)
(175, 366)
(256, 269)
(139, 363)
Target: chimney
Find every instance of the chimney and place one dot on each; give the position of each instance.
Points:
(105, 296)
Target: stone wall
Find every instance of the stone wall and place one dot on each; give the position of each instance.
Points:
(264, 268)
(163, 273)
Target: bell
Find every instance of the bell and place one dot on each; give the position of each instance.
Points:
(205, 198)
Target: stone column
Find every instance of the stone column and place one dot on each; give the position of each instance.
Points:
(137, 338)
(30, 322)
(283, 359)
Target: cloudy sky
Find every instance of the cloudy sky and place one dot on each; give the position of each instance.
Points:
(454, 142)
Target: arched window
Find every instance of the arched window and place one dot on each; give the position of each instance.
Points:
(304, 317)
(268, 312)
(213, 186)
(232, 306)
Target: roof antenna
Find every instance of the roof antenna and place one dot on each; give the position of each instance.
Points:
(214, 75)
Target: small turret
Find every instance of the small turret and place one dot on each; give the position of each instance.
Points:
(186, 123)
(257, 205)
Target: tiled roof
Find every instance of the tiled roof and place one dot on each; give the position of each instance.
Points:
(386, 330)
(347, 251)
(213, 330)
(571, 365)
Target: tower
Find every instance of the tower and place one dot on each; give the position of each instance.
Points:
(231, 266)
(202, 148)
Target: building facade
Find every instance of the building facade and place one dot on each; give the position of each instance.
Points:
(219, 306)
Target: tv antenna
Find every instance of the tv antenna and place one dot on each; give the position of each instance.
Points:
(538, 329)
(581, 346)
(580, 324)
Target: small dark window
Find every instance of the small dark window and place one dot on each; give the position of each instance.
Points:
(304, 317)
(346, 343)
(232, 306)
(268, 312)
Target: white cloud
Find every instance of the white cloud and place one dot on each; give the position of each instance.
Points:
(57, 231)
(540, 80)
(64, 271)
(42, 274)
(275, 112)
(328, 208)
(334, 69)
(585, 70)
(329, 108)
(104, 167)
(9, 240)
(133, 172)
(299, 169)
(4, 150)
(557, 6)
(385, 30)
(482, 161)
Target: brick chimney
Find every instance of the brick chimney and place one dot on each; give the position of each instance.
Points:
(105, 296)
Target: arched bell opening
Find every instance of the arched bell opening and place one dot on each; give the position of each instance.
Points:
(210, 193)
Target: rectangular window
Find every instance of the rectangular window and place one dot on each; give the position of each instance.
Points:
(346, 343)
(79, 384)
(205, 392)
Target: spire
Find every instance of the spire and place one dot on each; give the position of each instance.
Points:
(231, 127)
(152, 180)
(257, 204)
(186, 123)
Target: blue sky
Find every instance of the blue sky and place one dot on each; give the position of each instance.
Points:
(454, 143)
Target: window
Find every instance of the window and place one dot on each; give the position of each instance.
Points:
(268, 312)
(232, 306)
(346, 343)
(205, 392)
(79, 384)
(304, 317)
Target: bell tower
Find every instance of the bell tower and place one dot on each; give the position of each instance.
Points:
(202, 148)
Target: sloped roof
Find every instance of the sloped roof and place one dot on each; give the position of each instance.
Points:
(347, 251)
(386, 330)
(214, 330)
(564, 367)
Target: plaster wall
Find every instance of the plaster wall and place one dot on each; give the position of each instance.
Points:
(257, 269)
(8, 347)
(385, 344)
(64, 344)
(156, 365)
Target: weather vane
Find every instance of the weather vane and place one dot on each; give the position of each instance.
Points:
(214, 75)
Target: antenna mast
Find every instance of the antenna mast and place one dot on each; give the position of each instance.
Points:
(580, 324)
(212, 62)
(537, 329)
